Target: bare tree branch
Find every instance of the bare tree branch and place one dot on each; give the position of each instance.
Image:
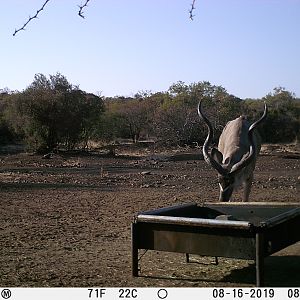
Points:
(31, 18)
(192, 9)
(80, 13)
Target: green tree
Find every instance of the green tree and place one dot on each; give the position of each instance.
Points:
(52, 112)
(283, 119)
(7, 134)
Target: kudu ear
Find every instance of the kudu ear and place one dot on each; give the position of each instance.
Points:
(217, 155)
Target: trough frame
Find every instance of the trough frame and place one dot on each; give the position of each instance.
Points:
(162, 230)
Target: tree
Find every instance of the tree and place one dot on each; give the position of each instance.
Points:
(177, 119)
(111, 126)
(52, 112)
(175, 124)
(283, 119)
(132, 113)
(6, 132)
(92, 110)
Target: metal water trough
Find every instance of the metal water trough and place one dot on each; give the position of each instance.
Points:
(235, 230)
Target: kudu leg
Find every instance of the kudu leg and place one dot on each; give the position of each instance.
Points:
(247, 188)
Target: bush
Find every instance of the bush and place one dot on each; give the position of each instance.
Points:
(52, 112)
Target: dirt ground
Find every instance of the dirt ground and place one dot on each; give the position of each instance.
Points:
(65, 221)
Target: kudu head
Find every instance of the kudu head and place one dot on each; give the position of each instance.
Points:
(227, 174)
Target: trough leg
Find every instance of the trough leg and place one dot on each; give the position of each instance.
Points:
(216, 260)
(134, 249)
(187, 257)
(259, 259)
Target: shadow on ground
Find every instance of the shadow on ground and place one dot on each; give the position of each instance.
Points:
(280, 271)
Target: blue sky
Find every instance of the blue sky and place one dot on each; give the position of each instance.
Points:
(122, 47)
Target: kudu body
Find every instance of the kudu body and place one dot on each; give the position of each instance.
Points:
(235, 158)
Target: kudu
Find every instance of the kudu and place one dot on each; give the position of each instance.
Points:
(235, 158)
